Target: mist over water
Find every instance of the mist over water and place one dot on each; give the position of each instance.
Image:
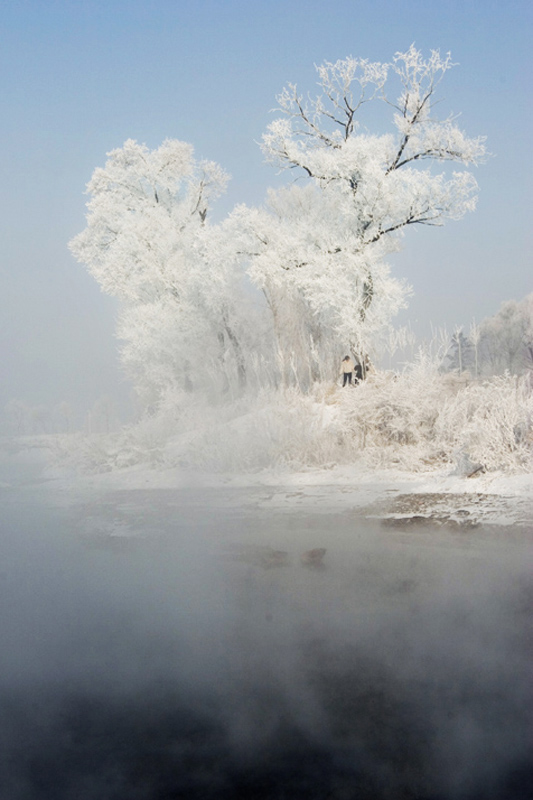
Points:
(169, 663)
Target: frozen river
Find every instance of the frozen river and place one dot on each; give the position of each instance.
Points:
(152, 648)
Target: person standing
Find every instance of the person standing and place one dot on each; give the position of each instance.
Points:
(347, 368)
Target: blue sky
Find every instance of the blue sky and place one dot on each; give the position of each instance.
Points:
(79, 78)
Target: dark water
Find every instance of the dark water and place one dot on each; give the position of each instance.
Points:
(160, 667)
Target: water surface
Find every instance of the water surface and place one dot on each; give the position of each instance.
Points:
(145, 654)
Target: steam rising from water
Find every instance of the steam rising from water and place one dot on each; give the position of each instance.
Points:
(159, 668)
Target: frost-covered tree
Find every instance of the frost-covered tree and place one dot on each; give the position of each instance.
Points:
(321, 247)
(502, 343)
(506, 339)
(474, 335)
(461, 355)
(527, 304)
(65, 415)
(145, 210)
(148, 242)
(301, 251)
(17, 414)
(40, 417)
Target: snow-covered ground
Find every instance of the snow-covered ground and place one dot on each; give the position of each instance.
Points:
(140, 500)
(485, 498)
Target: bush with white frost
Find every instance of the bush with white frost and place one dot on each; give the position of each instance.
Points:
(416, 420)
(420, 419)
(492, 422)
(393, 416)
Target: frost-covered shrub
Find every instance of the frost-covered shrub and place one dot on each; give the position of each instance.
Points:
(91, 453)
(414, 420)
(393, 416)
(278, 429)
(420, 418)
(491, 421)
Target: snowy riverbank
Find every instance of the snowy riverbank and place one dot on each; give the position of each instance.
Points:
(490, 498)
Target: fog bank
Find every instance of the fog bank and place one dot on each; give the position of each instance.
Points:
(174, 663)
